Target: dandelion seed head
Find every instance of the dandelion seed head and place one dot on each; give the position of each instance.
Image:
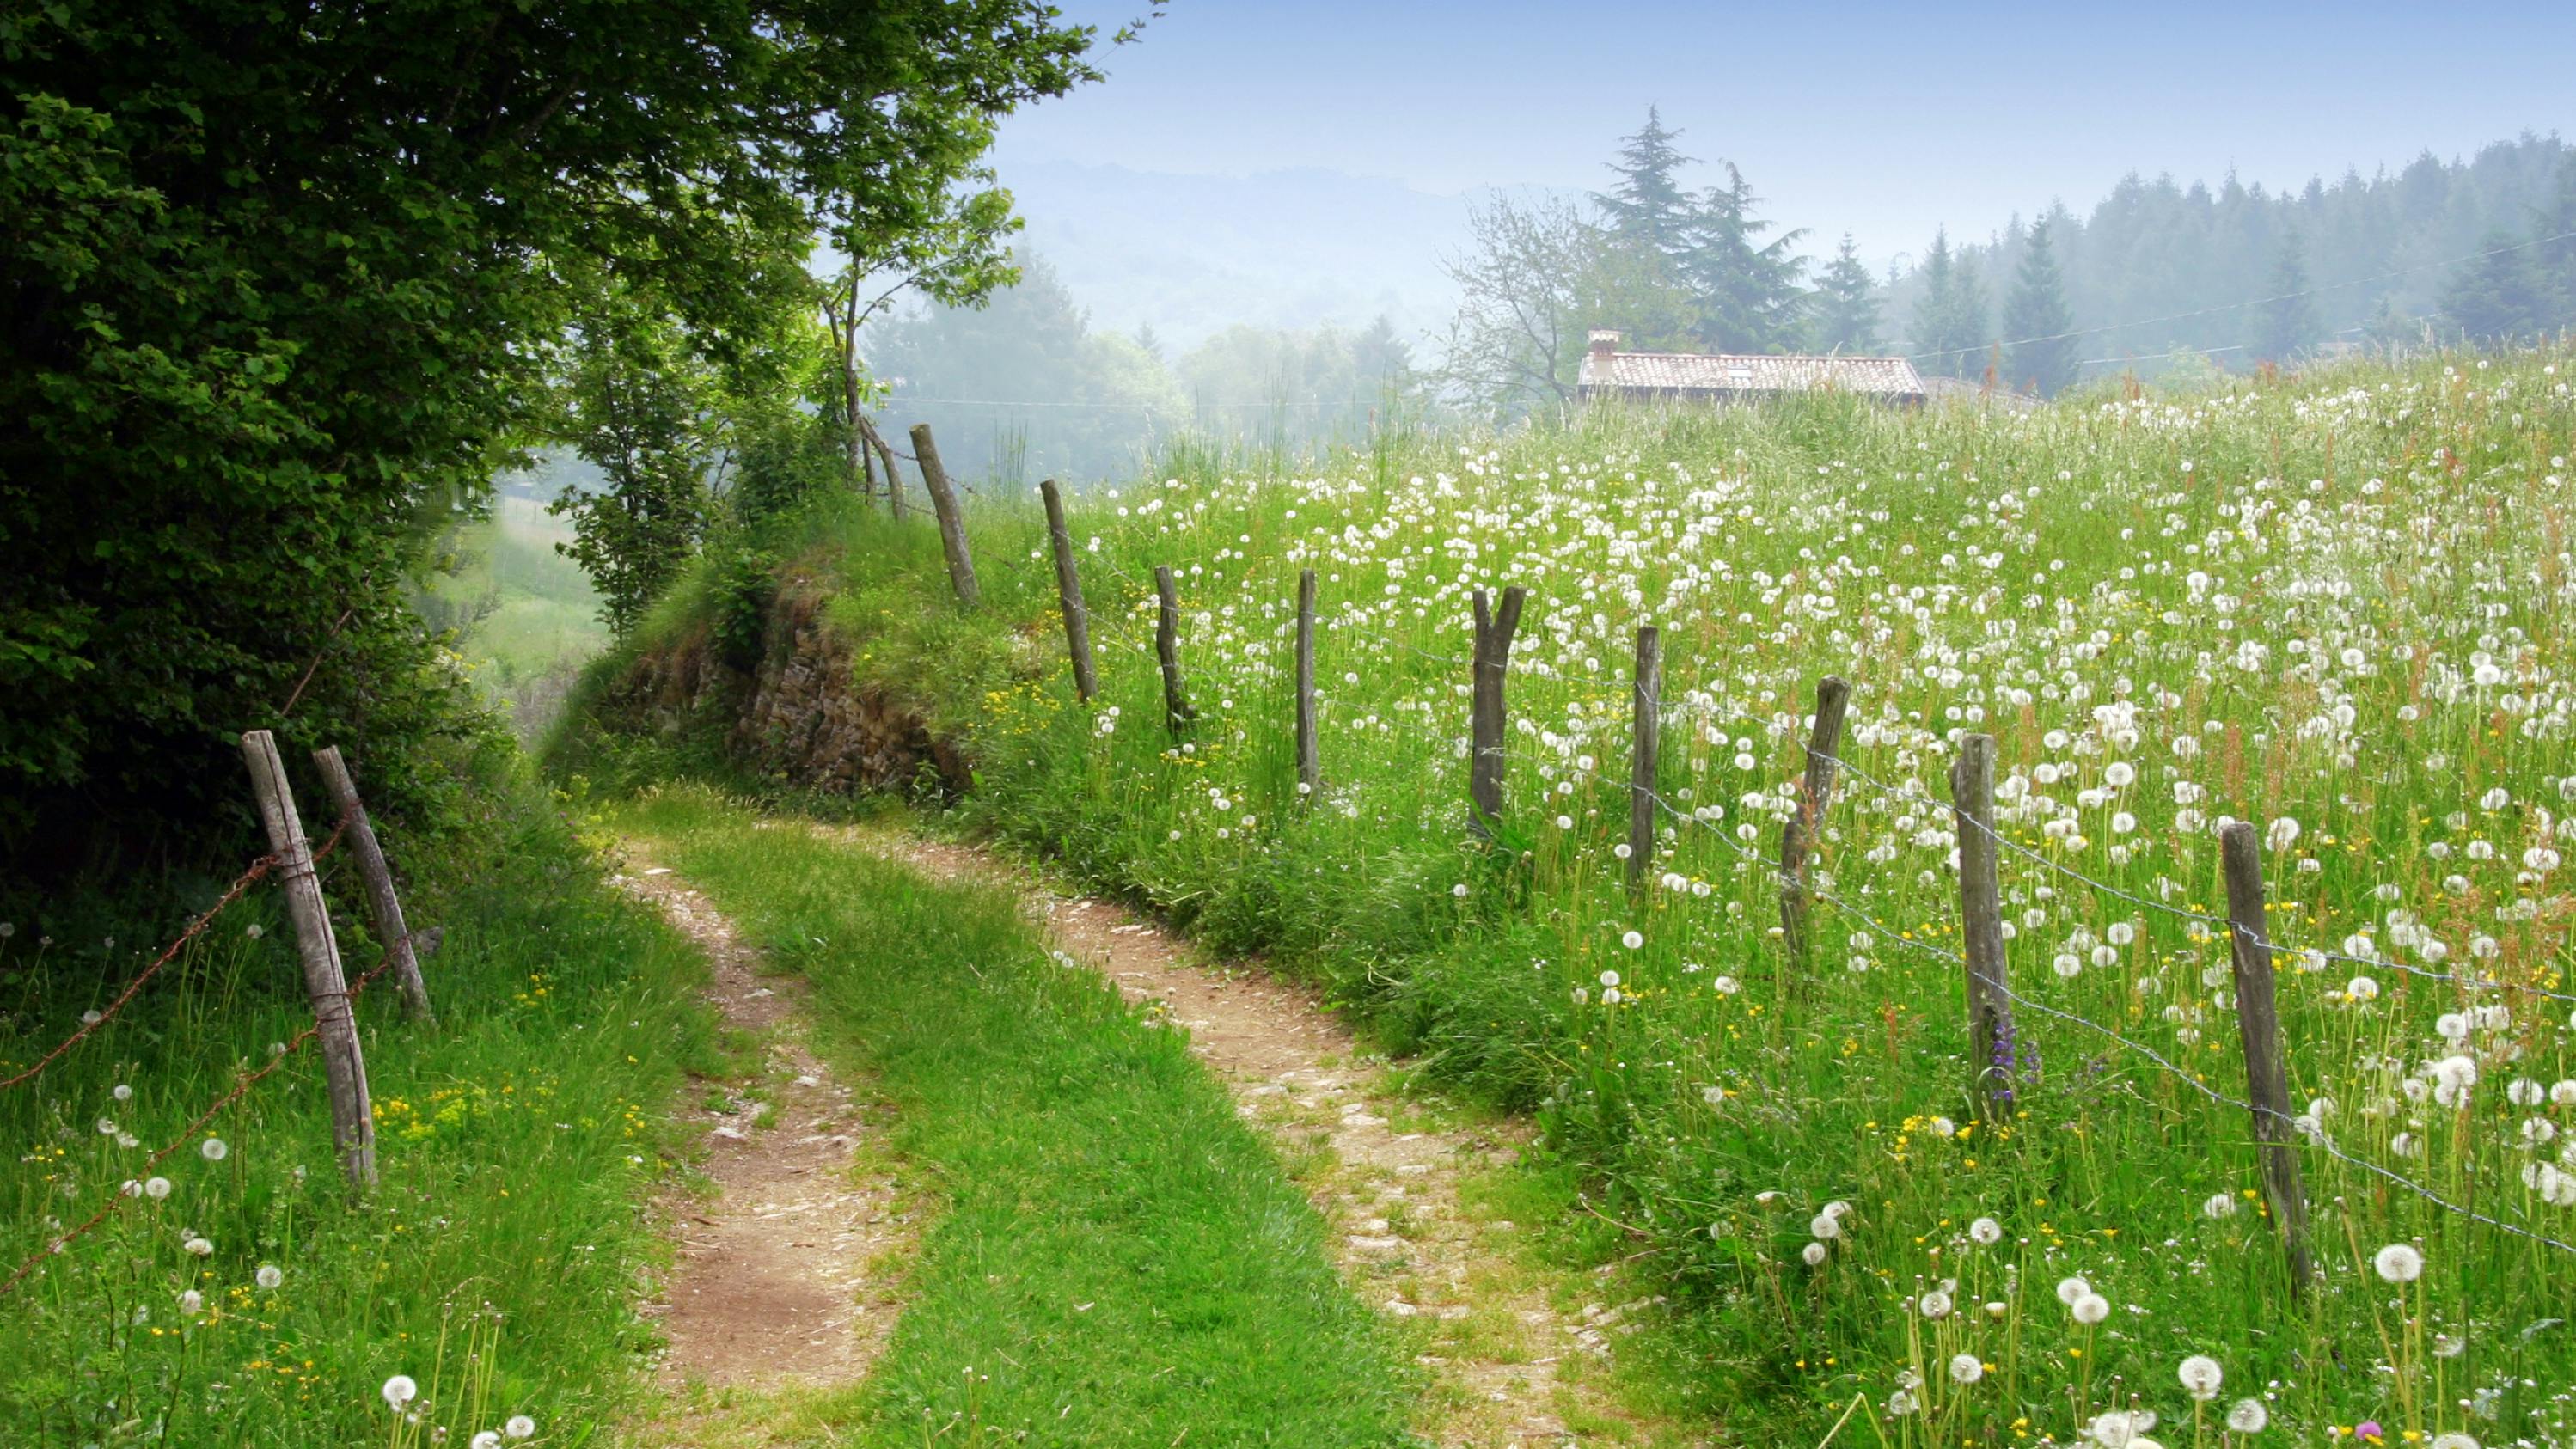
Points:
(2398, 1263)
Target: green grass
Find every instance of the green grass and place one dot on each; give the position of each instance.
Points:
(2341, 598)
(497, 1262)
(526, 617)
(1115, 1260)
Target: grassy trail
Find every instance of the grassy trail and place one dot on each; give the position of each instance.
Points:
(1114, 1259)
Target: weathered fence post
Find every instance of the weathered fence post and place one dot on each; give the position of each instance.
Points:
(381, 900)
(1494, 632)
(952, 522)
(1068, 589)
(1646, 730)
(1310, 764)
(2258, 1023)
(1991, 1045)
(1799, 835)
(1167, 648)
(353, 1129)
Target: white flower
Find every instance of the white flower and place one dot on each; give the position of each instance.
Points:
(213, 1149)
(2070, 1289)
(2091, 1309)
(2220, 1205)
(400, 1390)
(1620, 850)
(1965, 1369)
(2361, 988)
(1986, 1230)
(520, 1427)
(1824, 1227)
(2282, 833)
(1814, 1253)
(269, 1275)
(2113, 1430)
(1610, 996)
(1935, 1304)
(2398, 1263)
(1633, 940)
(199, 1246)
(2454, 1440)
(1459, 890)
(156, 1188)
(122, 1092)
(1725, 985)
(488, 1439)
(2248, 1417)
(192, 1301)
(2200, 1376)
(1609, 978)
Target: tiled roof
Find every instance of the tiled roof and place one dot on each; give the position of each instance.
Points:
(1692, 372)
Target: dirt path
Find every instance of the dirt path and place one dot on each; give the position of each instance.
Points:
(782, 1276)
(1515, 1358)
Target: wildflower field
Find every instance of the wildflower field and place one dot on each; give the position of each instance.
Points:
(2335, 604)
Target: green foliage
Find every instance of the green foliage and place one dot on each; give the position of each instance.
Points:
(2497, 297)
(2287, 322)
(1115, 1256)
(263, 319)
(515, 1146)
(2042, 357)
(1949, 335)
(1845, 316)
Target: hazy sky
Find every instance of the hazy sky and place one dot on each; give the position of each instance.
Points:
(1884, 120)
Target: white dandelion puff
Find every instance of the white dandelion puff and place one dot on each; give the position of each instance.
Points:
(400, 1390)
(1965, 1369)
(2200, 1375)
(2398, 1263)
(2248, 1417)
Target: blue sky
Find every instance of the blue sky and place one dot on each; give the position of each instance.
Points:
(1884, 120)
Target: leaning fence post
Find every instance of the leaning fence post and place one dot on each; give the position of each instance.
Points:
(1068, 592)
(1493, 657)
(1798, 836)
(1310, 765)
(952, 523)
(353, 1129)
(2258, 1024)
(381, 900)
(1646, 731)
(1167, 648)
(1991, 1044)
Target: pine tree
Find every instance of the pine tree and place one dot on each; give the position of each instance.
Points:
(1940, 274)
(1972, 343)
(1950, 337)
(2037, 321)
(2287, 325)
(2497, 297)
(1649, 208)
(2553, 261)
(1845, 309)
(1748, 292)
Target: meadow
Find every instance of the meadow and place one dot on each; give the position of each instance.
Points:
(525, 617)
(2336, 604)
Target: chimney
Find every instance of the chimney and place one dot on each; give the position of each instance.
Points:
(1604, 343)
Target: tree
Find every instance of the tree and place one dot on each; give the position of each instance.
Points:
(1747, 292)
(2286, 324)
(2553, 257)
(1649, 208)
(2497, 296)
(1844, 315)
(2036, 319)
(1523, 304)
(278, 284)
(1949, 333)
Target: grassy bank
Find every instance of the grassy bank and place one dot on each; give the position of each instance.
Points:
(2337, 605)
(496, 1264)
(1115, 1260)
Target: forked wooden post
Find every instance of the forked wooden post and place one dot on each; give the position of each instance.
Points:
(952, 522)
(1494, 630)
(1799, 835)
(353, 1129)
(2258, 1023)
(1646, 731)
(1991, 1045)
(382, 902)
(1177, 712)
(1310, 762)
(1068, 592)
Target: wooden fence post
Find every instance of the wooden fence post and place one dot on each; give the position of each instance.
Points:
(952, 523)
(1799, 835)
(1646, 731)
(353, 1128)
(2258, 1023)
(1068, 588)
(1310, 765)
(1991, 1044)
(381, 900)
(1494, 632)
(1167, 648)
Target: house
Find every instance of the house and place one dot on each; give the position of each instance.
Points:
(1607, 372)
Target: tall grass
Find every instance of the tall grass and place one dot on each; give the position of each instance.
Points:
(2336, 604)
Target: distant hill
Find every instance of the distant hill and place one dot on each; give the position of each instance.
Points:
(1191, 255)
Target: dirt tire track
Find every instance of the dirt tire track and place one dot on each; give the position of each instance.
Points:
(1501, 1351)
(781, 1277)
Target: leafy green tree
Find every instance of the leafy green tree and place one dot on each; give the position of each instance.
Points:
(1949, 334)
(1747, 291)
(2036, 320)
(1528, 290)
(2286, 325)
(278, 285)
(2497, 296)
(1844, 315)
